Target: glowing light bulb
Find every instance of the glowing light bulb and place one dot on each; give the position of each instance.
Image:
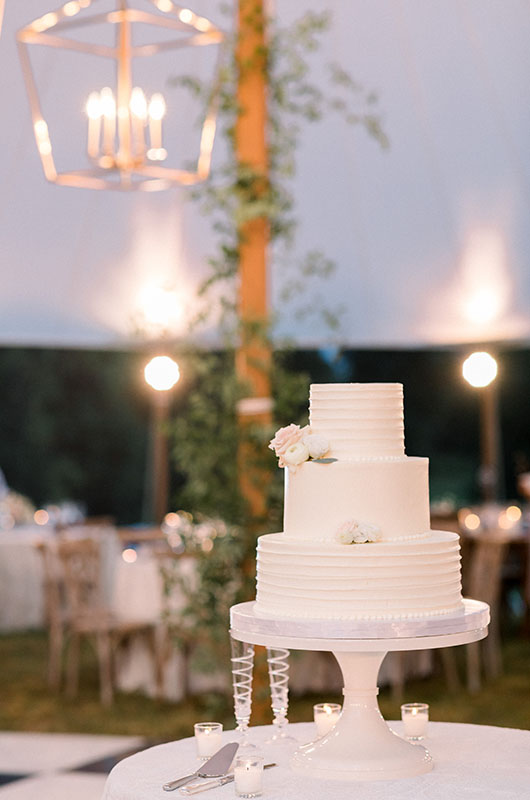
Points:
(93, 106)
(71, 9)
(202, 24)
(138, 103)
(157, 106)
(185, 15)
(479, 369)
(162, 373)
(108, 103)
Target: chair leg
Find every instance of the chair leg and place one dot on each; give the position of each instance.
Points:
(55, 646)
(72, 668)
(492, 648)
(104, 651)
(159, 644)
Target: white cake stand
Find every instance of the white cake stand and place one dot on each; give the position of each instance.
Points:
(361, 746)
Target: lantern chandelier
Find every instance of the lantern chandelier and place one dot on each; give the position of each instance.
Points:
(124, 128)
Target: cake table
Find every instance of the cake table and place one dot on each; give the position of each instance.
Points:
(361, 746)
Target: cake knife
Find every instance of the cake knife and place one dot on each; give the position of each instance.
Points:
(215, 767)
(195, 788)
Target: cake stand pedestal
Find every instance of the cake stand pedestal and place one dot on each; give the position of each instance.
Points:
(361, 746)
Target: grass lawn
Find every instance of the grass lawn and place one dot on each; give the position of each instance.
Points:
(28, 705)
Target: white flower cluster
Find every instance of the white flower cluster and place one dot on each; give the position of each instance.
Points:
(353, 532)
(294, 445)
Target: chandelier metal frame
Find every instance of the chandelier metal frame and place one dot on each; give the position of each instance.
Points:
(52, 30)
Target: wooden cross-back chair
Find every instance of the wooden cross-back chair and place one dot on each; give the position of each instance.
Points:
(74, 587)
(483, 581)
(55, 611)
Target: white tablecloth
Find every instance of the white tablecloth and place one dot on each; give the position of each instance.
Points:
(21, 573)
(138, 596)
(472, 762)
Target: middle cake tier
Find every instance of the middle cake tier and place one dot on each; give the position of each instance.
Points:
(392, 494)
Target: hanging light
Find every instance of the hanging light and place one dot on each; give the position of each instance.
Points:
(125, 138)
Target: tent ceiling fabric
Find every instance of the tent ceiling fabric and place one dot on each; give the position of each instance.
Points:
(430, 237)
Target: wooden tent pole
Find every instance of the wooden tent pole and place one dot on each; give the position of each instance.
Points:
(253, 356)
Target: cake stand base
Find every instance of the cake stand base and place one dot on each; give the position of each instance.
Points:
(361, 746)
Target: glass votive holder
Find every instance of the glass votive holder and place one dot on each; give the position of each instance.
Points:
(415, 717)
(208, 738)
(325, 716)
(248, 775)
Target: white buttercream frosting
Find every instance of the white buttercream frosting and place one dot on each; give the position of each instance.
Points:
(359, 419)
(392, 494)
(409, 572)
(378, 580)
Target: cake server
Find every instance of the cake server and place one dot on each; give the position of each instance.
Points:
(215, 767)
(195, 788)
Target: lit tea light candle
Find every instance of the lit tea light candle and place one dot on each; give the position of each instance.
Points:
(415, 717)
(326, 716)
(248, 776)
(208, 738)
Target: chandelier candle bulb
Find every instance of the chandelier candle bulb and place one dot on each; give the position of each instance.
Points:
(208, 738)
(138, 109)
(415, 717)
(248, 776)
(156, 112)
(325, 716)
(108, 107)
(93, 110)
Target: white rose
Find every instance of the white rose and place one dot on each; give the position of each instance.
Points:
(317, 445)
(345, 534)
(371, 533)
(295, 454)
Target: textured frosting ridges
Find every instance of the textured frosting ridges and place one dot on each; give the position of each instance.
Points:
(381, 580)
(359, 419)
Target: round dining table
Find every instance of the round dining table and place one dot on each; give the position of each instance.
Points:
(471, 762)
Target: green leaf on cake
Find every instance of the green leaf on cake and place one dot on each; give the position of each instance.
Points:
(323, 460)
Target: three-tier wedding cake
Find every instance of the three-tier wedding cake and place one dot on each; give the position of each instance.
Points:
(357, 542)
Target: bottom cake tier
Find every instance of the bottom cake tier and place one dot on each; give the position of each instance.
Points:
(381, 580)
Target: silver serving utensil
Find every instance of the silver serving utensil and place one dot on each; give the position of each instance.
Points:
(195, 788)
(216, 766)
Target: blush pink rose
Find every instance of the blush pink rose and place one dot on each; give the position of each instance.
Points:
(286, 437)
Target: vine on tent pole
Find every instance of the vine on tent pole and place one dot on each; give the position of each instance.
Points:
(253, 351)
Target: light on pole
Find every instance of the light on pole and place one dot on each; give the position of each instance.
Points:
(480, 371)
(161, 373)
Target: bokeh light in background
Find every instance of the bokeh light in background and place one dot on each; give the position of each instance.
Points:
(129, 555)
(470, 520)
(479, 369)
(162, 373)
(41, 516)
(161, 310)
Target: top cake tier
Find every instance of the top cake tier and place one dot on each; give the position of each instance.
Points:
(360, 420)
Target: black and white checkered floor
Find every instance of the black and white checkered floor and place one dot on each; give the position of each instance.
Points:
(57, 766)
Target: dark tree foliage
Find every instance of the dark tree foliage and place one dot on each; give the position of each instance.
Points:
(73, 426)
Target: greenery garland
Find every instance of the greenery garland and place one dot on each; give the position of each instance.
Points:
(205, 436)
